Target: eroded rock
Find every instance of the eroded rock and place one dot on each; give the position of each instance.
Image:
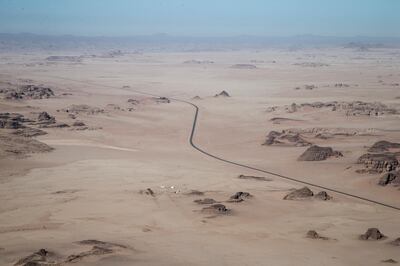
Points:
(372, 234)
(302, 193)
(317, 153)
(378, 163)
(284, 138)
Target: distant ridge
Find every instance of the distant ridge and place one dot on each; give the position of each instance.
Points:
(23, 41)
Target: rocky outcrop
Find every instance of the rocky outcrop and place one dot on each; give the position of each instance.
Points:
(314, 235)
(372, 234)
(306, 193)
(322, 195)
(317, 153)
(27, 92)
(216, 209)
(392, 177)
(354, 108)
(82, 109)
(239, 196)
(378, 163)
(383, 145)
(285, 138)
(302, 193)
(12, 120)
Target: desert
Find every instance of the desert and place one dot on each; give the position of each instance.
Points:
(97, 166)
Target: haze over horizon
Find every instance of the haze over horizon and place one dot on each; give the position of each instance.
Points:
(199, 19)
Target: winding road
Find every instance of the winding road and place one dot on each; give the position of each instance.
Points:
(196, 147)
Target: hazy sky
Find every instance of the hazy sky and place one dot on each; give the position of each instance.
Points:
(202, 17)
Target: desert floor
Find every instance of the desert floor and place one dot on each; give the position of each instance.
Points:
(91, 185)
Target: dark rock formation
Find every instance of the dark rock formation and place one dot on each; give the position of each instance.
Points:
(378, 163)
(302, 193)
(314, 235)
(239, 196)
(317, 153)
(82, 109)
(392, 177)
(216, 209)
(285, 139)
(372, 234)
(205, 201)
(322, 195)
(395, 242)
(383, 145)
(28, 92)
(44, 117)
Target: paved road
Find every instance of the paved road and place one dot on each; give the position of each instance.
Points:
(196, 147)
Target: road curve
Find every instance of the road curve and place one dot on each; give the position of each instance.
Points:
(193, 144)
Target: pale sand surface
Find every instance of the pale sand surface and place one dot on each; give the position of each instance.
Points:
(89, 186)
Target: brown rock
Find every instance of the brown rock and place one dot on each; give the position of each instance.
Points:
(322, 195)
(372, 234)
(205, 201)
(301, 193)
(392, 177)
(317, 153)
(378, 163)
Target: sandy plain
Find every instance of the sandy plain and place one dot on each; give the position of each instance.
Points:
(89, 186)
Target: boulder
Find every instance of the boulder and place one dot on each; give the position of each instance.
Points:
(372, 234)
(302, 193)
(322, 195)
(392, 177)
(317, 153)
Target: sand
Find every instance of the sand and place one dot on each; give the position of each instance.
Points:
(89, 186)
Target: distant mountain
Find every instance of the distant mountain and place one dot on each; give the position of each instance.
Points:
(164, 42)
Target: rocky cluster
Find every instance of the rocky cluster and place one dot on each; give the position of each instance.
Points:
(383, 145)
(46, 257)
(392, 177)
(378, 162)
(216, 209)
(29, 91)
(12, 120)
(82, 109)
(372, 234)
(354, 108)
(285, 138)
(317, 153)
(306, 193)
